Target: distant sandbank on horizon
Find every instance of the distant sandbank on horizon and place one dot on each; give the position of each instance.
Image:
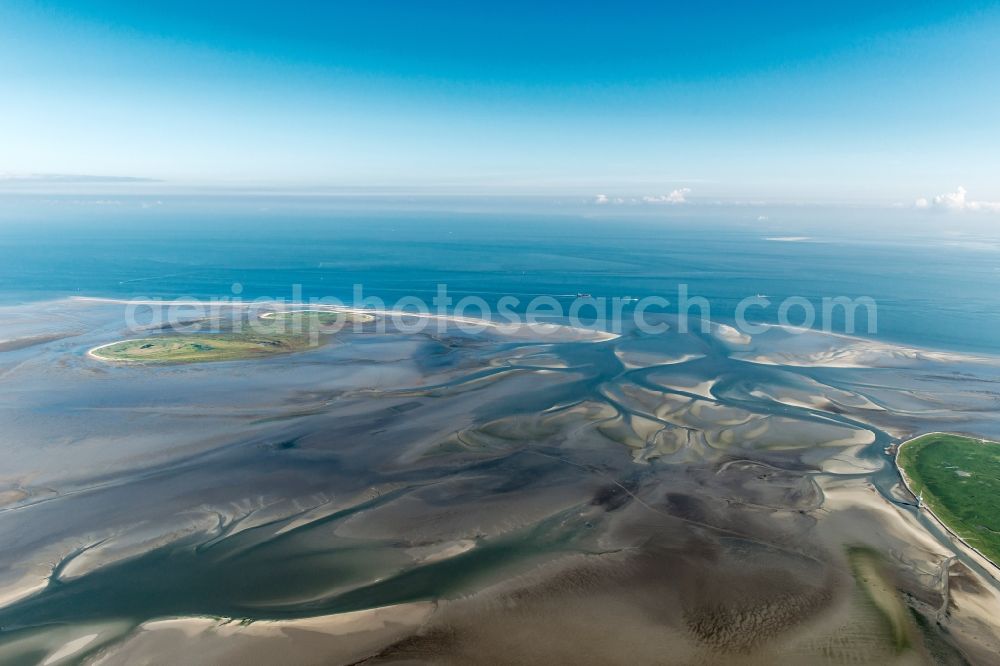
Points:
(806, 347)
(408, 255)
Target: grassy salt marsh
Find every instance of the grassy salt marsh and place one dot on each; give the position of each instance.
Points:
(201, 348)
(959, 480)
(272, 333)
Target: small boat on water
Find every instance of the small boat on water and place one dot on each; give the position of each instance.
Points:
(583, 294)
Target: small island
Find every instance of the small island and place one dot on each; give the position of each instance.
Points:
(310, 319)
(199, 348)
(958, 479)
(280, 332)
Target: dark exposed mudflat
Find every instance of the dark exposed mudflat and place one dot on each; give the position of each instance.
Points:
(503, 498)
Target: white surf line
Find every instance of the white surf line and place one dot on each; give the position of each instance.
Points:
(489, 323)
(92, 353)
(994, 568)
(876, 345)
(938, 354)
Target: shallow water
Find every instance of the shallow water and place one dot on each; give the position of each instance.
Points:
(696, 493)
(310, 484)
(935, 291)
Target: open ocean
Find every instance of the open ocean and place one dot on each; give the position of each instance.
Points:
(420, 472)
(932, 291)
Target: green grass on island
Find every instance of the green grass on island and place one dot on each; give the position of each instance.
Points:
(202, 348)
(295, 320)
(272, 333)
(959, 478)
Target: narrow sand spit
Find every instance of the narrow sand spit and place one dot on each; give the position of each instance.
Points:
(338, 638)
(527, 330)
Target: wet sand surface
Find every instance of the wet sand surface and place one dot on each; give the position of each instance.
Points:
(503, 496)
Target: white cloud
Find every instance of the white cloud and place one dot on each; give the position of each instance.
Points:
(957, 200)
(678, 196)
(954, 199)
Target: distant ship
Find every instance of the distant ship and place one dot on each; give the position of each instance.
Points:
(583, 294)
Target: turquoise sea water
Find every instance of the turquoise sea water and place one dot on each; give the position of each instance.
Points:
(308, 484)
(931, 291)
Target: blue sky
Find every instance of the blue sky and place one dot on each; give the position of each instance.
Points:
(783, 101)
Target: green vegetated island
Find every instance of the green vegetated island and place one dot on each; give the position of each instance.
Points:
(958, 479)
(281, 333)
(308, 318)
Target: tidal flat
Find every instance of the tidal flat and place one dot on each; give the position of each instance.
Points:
(513, 495)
